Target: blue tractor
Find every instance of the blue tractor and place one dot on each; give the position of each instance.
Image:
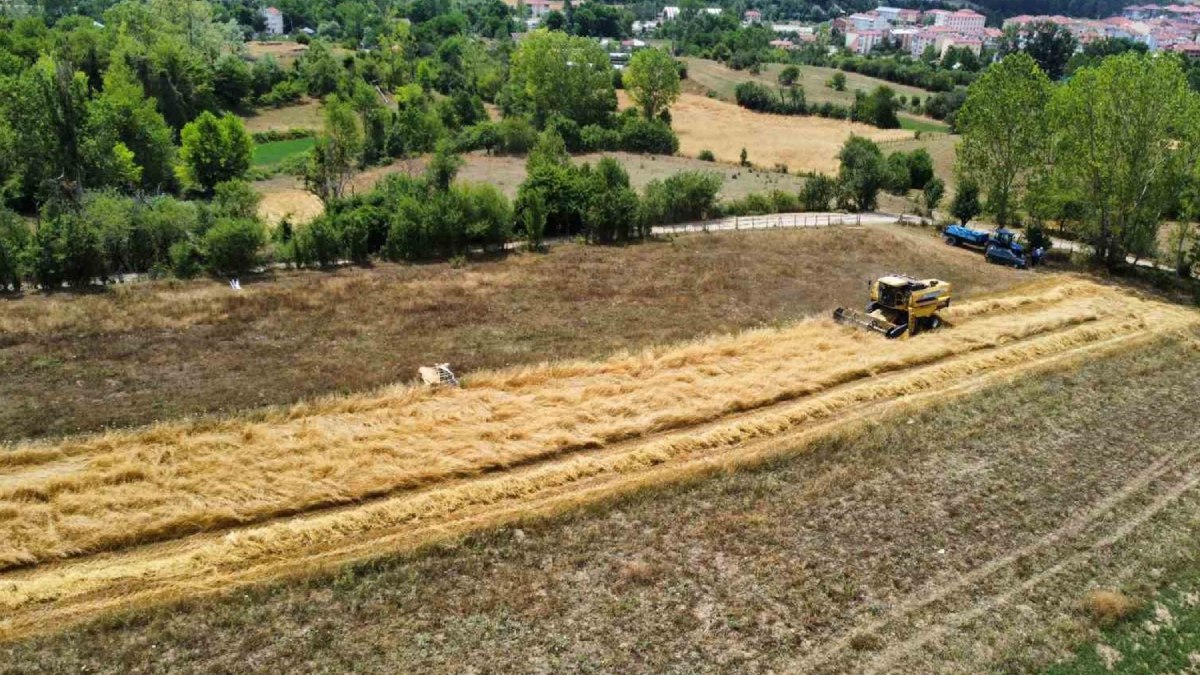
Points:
(957, 235)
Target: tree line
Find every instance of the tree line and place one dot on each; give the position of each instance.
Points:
(1108, 155)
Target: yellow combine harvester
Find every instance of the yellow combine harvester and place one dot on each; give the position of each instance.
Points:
(899, 305)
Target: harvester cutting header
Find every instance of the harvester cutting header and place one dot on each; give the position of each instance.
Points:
(899, 305)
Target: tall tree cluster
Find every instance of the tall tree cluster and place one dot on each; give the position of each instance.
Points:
(1113, 149)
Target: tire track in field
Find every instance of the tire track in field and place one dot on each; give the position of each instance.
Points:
(941, 589)
(49, 596)
(1174, 492)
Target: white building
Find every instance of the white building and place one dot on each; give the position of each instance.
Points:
(274, 21)
(965, 21)
(889, 14)
(863, 42)
(867, 21)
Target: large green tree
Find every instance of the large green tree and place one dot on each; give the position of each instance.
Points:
(336, 153)
(553, 73)
(122, 114)
(214, 150)
(1004, 130)
(862, 173)
(1050, 44)
(652, 81)
(1125, 138)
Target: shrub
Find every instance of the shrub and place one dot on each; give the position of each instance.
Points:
(818, 192)
(68, 249)
(232, 246)
(480, 136)
(652, 136)
(784, 202)
(282, 93)
(687, 195)
(920, 168)
(517, 136)
(236, 199)
(707, 156)
(185, 258)
(568, 130)
(14, 250)
(897, 178)
(596, 138)
(319, 242)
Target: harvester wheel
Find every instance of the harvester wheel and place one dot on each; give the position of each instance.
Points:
(933, 323)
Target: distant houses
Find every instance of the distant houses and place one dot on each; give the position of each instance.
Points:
(1160, 27)
(915, 31)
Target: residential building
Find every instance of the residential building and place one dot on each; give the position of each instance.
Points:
(938, 17)
(538, 8)
(888, 14)
(752, 17)
(274, 21)
(965, 21)
(867, 21)
(863, 42)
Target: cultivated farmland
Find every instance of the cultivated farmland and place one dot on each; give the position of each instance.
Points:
(415, 466)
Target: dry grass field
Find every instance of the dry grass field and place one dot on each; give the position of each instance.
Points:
(416, 466)
(705, 75)
(145, 352)
(284, 195)
(304, 115)
(801, 143)
(286, 52)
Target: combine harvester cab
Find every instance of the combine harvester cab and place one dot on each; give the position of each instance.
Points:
(899, 305)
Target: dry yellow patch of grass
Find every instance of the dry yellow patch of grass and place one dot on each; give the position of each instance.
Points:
(284, 197)
(1107, 607)
(303, 115)
(802, 143)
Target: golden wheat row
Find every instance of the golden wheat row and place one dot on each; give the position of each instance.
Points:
(121, 489)
(46, 594)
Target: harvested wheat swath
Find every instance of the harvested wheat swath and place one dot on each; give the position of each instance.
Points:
(121, 489)
(48, 595)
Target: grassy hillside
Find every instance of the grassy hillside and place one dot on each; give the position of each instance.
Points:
(705, 75)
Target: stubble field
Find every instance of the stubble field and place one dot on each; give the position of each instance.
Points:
(132, 518)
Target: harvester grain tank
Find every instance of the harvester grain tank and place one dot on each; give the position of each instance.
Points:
(899, 304)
